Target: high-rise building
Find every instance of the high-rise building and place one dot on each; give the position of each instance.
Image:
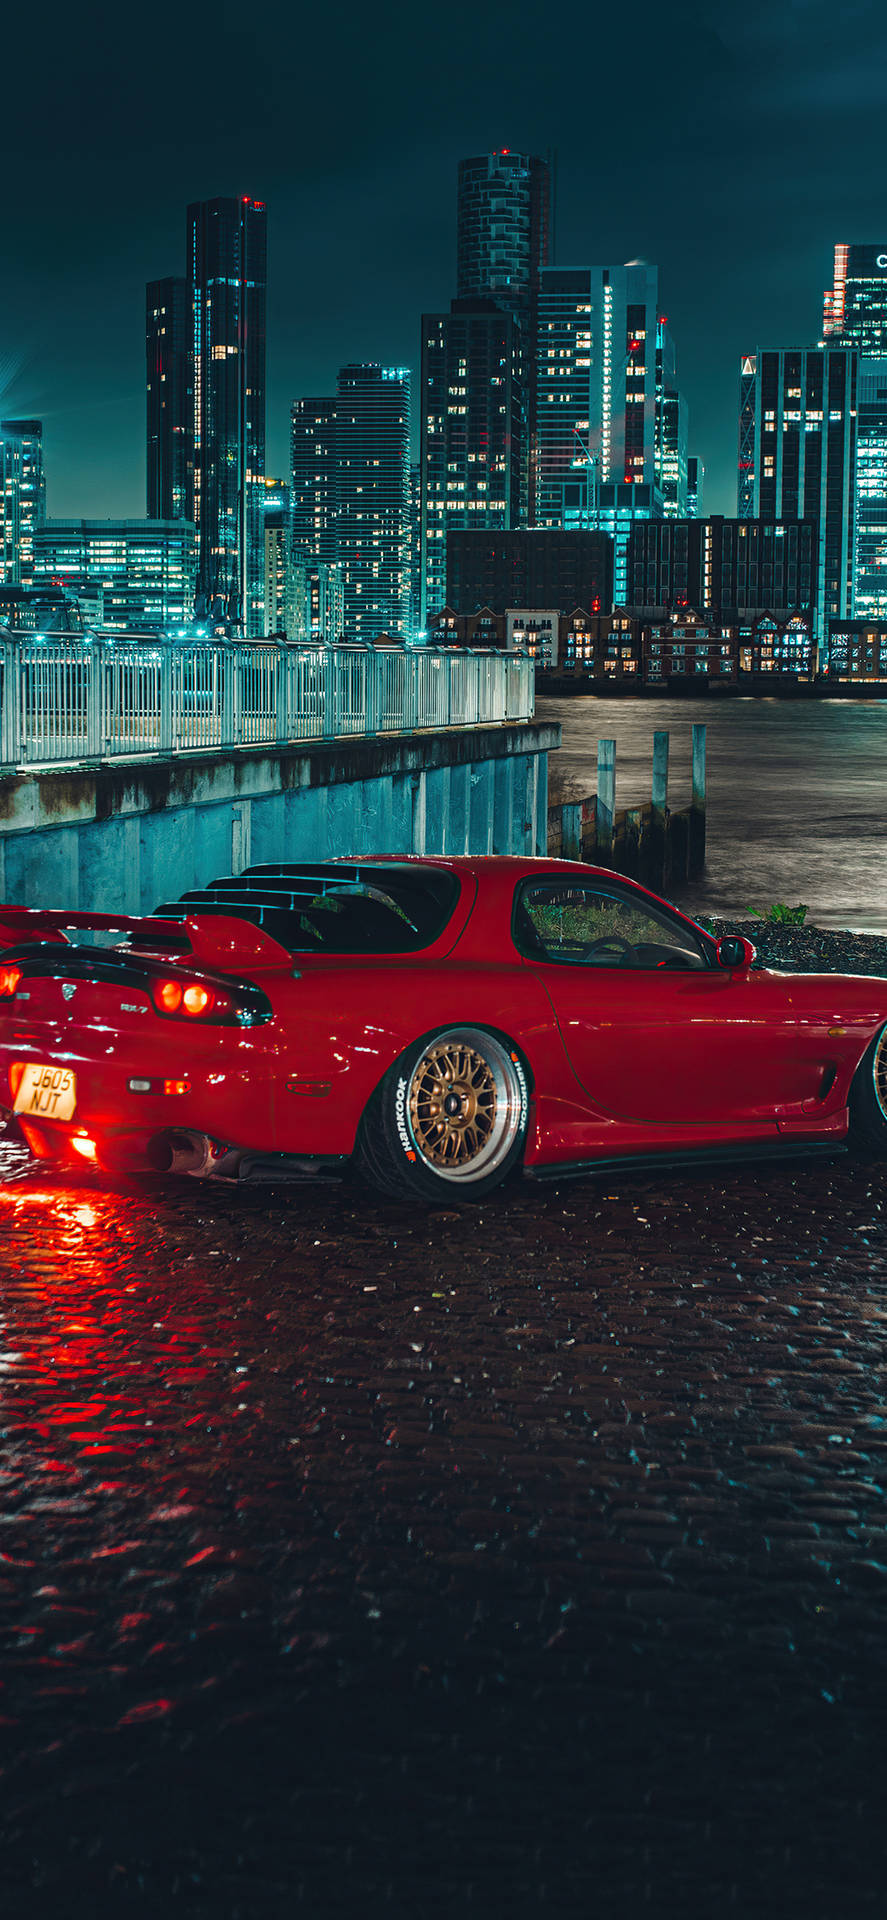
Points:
(695, 487)
(145, 569)
(504, 233)
(503, 228)
(856, 303)
(286, 582)
(566, 397)
(871, 490)
(22, 498)
(170, 400)
(670, 426)
(325, 607)
(856, 316)
(720, 566)
(625, 324)
(313, 442)
(416, 627)
(227, 280)
(373, 498)
(797, 457)
(473, 432)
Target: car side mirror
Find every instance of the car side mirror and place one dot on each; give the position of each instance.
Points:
(734, 953)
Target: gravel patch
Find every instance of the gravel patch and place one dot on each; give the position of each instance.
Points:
(808, 949)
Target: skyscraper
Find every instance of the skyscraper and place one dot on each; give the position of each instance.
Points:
(871, 490)
(670, 426)
(227, 276)
(373, 498)
(855, 305)
(695, 487)
(473, 432)
(141, 571)
(797, 457)
(566, 406)
(625, 318)
(22, 498)
(856, 316)
(170, 402)
(504, 227)
(313, 430)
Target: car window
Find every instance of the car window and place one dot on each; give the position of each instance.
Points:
(592, 926)
(329, 908)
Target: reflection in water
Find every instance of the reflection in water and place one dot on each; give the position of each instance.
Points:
(335, 1537)
(796, 795)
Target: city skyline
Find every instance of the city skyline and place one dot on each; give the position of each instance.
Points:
(363, 222)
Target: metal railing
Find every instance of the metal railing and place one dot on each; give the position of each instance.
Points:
(70, 698)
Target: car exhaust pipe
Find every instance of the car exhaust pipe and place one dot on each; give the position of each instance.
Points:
(178, 1151)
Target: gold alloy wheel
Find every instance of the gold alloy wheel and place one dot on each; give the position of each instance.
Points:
(879, 1073)
(465, 1104)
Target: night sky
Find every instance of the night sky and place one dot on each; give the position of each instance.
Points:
(732, 145)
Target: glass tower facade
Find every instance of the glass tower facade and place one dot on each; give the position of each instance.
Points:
(227, 280)
(313, 444)
(504, 228)
(565, 397)
(133, 574)
(856, 316)
(871, 491)
(473, 432)
(797, 457)
(670, 427)
(373, 498)
(170, 400)
(22, 499)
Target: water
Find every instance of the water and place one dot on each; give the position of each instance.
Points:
(796, 795)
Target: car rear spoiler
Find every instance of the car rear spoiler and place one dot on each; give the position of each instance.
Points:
(214, 940)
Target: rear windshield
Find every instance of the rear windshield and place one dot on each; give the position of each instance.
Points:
(363, 910)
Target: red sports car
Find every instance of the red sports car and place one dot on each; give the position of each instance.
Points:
(438, 1022)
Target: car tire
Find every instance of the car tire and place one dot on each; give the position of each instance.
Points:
(449, 1120)
(868, 1100)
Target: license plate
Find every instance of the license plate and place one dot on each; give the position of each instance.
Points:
(49, 1093)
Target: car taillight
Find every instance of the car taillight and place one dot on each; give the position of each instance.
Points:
(190, 1000)
(9, 979)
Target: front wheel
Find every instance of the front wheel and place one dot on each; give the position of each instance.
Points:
(868, 1099)
(449, 1119)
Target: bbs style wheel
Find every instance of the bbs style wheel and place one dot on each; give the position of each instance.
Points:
(868, 1100)
(450, 1117)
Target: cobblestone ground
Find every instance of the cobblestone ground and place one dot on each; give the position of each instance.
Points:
(356, 1559)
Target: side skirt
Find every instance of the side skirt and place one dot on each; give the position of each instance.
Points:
(271, 1169)
(692, 1157)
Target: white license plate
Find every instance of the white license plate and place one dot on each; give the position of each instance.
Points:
(49, 1093)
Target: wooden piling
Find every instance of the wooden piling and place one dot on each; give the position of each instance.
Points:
(696, 846)
(657, 848)
(605, 809)
(571, 830)
(631, 843)
(651, 844)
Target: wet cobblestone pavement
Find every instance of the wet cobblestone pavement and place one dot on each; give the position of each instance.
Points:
(359, 1560)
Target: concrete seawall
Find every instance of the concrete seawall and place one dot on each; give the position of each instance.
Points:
(129, 835)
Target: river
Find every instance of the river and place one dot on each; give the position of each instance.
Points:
(796, 795)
